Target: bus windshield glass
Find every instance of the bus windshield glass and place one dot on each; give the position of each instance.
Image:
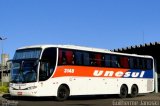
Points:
(24, 65)
(24, 71)
(27, 54)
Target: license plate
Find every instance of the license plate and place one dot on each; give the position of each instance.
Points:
(19, 93)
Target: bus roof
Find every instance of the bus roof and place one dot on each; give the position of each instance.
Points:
(74, 47)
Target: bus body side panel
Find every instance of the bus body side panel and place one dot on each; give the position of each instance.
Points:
(93, 86)
(95, 80)
(83, 80)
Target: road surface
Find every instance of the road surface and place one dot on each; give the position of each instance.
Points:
(110, 100)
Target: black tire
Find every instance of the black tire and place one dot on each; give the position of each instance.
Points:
(123, 91)
(13, 98)
(62, 93)
(134, 91)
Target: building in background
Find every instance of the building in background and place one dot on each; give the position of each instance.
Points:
(151, 49)
(4, 59)
(5, 67)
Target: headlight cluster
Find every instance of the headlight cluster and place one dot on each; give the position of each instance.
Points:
(13, 88)
(29, 88)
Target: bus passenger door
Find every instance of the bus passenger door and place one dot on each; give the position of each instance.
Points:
(44, 81)
(47, 66)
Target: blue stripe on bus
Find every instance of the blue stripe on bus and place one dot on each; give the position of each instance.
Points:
(147, 73)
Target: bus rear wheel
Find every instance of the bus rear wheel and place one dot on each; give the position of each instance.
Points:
(62, 93)
(134, 91)
(123, 91)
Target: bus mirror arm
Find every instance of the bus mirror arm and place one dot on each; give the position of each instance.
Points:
(10, 60)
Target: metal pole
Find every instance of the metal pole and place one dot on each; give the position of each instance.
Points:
(156, 77)
(2, 63)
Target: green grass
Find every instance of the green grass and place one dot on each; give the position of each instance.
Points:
(4, 88)
(4, 84)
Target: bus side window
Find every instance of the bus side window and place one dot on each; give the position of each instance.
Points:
(42, 73)
(60, 57)
(149, 64)
(134, 63)
(114, 61)
(78, 58)
(124, 62)
(92, 59)
(138, 63)
(69, 57)
(144, 62)
(98, 59)
(86, 58)
(65, 57)
(131, 63)
(64, 60)
(107, 59)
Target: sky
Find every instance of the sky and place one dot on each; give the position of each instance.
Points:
(108, 24)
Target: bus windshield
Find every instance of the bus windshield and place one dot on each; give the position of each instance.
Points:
(24, 71)
(33, 53)
(24, 65)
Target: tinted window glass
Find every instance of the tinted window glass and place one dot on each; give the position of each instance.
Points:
(149, 64)
(48, 63)
(86, 58)
(124, 62)
(107, 60)
(131, 62)
(27, 54)
(66, 57)
(78, 58)
(114, 61)
(144, 63)
(69, 57)
(92, 59)
(98, 59)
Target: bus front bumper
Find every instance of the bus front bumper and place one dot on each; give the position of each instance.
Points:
(33, 93)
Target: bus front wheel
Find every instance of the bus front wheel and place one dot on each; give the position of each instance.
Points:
(62, 93)
(123, 91)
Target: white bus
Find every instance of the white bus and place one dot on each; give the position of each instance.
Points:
(67, 70)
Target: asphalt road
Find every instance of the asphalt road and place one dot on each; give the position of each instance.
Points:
(110, 100)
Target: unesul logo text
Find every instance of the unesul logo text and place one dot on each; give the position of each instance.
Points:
(98, 73)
